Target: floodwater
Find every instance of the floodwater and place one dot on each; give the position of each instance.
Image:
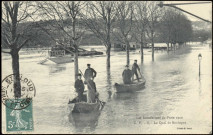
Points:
(172, 89)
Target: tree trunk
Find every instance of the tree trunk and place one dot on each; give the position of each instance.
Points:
(153, 47)
(141, 48)
(15, 67)
(171, 47)
(76, 62)
(76, 48)
(174, 47)
(108, 50)
(168, 47)
(127, 52)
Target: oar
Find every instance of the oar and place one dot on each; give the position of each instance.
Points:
(141, 75)
(90, 86)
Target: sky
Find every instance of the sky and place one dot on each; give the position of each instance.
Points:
(202, 10)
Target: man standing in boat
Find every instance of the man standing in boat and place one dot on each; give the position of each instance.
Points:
(79, 87)
(135, 67)
(89, 73)
(91, 93)
(127, 75)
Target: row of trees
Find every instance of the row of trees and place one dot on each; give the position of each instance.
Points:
(175, 27)
(105, 19)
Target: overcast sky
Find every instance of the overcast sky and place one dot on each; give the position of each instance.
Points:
(202, 10)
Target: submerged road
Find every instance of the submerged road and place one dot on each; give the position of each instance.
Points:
(173, 97)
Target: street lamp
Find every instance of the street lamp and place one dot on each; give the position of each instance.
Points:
(199, 58)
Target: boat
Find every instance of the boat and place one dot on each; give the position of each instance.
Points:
(122, 47)
(130, 87)
(84, 107)
(57, 57)
(69, 50)
(84, 120)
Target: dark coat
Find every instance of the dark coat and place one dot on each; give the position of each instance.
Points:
(135, 67)
(127, 75)
(79, 86)
(90, 72)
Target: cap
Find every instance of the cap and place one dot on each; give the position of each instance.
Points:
(88, 64)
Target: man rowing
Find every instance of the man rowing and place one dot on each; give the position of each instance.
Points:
(79, 87)
(89, 73)
(135, 67)
(127, 75)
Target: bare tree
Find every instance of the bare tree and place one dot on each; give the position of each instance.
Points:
(125, 21)
(100, 19)
(15, 34)
(141, 22)
(167, 23)
(65, 17)
(153, 19)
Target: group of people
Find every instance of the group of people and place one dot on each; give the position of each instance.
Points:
(89, 76)
(129, 74)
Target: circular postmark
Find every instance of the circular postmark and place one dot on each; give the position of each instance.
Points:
(27, 92)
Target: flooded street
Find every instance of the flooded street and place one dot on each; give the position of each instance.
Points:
(172, 89)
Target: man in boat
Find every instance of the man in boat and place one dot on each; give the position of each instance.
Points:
(127, 75)
(79, 87)
(89, 73)
(135, 67)
(91, 93)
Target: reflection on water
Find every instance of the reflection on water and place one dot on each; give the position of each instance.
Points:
(56, 68)
(172, 82)
(124, 96)
(84, 121)
(109, 83)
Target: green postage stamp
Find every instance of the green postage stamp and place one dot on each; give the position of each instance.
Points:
(19, 119)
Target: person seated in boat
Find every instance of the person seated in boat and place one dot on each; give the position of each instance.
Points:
(89, 72)
(127, 75)
(79, 87)
(135, 67)
(91, 93)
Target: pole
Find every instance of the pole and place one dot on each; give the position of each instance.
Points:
(141, 75)
(173, 5)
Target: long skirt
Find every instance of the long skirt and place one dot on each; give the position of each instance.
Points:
(91, 96)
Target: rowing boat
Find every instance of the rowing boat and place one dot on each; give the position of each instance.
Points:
(84, 107)
(130, 87)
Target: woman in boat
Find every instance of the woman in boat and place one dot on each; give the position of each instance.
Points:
(91, 93)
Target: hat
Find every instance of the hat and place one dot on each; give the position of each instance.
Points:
(78, 74)
(88, 64)
(127, 66)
